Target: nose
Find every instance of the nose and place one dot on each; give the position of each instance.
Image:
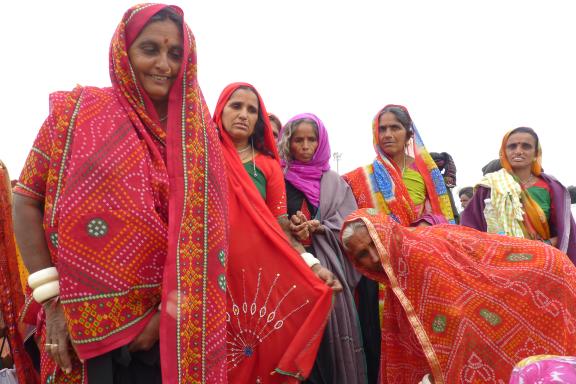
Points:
(162, 64)
(243, 113)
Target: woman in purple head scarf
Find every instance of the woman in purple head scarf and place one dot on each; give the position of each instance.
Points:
(318, 201)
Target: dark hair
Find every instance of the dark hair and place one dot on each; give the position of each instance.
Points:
(168, 13)
(529, 131)
(274, 119)
(492, 166)
(468, 191)
(401, 115)
(572, 190)
(258, 134)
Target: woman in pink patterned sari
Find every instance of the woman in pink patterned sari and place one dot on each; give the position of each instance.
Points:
(120, 205)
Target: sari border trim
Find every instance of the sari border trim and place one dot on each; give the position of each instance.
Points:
(205, 245)
(407, 305)
(66, 150)
(115, 331)
(107, 295)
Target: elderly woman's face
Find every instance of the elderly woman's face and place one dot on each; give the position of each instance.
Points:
(240, 115)
(156, 57)
(363, 250)
(521, 150)
(304, 142)
(392, 136)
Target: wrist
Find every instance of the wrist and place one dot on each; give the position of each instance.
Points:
(309, 259)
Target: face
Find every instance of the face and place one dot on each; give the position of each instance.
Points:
(240, 115)
(521, 150)
(464, 200)
(275, 129)
(392, 136)
(156, 57)
(304, 142)
(362, 248)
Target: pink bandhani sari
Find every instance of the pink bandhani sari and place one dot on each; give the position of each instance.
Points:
(134, 215)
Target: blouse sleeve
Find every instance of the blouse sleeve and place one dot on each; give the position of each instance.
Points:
(32, 181)
(275, 187)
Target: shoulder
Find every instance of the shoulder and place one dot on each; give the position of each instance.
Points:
(358, 172)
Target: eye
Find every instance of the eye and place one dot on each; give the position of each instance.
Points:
(148, 48)
(252, 109)
(176, 53)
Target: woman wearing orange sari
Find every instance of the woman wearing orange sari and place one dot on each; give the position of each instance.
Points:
(521, 200)
(404, 182)
(462, 305)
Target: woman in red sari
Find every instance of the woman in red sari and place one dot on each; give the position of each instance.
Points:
(277, 308)
(119, 209)
(462, 305)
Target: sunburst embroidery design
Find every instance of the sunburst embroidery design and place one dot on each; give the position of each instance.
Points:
(252, 322)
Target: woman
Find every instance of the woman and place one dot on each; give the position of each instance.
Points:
(465, 194)
(11, 294)
(405, 183)
(271, 291)
(114, 208)
(275, 124)
(318, 200)
(462, 305)
(523, 200)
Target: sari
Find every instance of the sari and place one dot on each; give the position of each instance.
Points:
(465, 305)
(516, 212)
(341, 355)
(277, 308)
(381, 185)
(133, 215)
(11, 293)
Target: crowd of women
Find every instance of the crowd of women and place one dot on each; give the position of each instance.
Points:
(163, 243)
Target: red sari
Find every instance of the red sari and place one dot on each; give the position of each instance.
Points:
(465, 305)
(11, 295)
(277, 309)
(134, 215)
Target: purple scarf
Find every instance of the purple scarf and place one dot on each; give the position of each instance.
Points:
(306, 176)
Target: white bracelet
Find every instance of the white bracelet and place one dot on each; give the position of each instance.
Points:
(46, 291)
(42, 277)
(309, 259)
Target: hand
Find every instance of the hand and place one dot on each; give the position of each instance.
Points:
(58, 344)
(299, 226)
(328, 277)
(149, 335)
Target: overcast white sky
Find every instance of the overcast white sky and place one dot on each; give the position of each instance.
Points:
(467, 70)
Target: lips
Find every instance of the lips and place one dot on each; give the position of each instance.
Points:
(160, 77)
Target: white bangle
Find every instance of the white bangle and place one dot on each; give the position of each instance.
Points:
(309, 259)
(42, 277)
(46, 291)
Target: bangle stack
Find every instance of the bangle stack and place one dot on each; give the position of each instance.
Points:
(309, 259)
(44, 284)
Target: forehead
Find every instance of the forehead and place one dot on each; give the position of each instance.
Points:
(245, 96)
(304, 129)
(388, 118)
(521, 138)
(165, 31)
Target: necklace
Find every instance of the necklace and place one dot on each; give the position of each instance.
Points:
(243, 149)
(529, 180)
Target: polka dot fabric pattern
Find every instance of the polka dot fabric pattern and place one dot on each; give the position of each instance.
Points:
(467, 305)
(136, 215)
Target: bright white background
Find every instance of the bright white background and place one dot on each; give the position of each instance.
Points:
(468, 71)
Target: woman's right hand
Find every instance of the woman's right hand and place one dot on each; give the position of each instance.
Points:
(58, 344)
